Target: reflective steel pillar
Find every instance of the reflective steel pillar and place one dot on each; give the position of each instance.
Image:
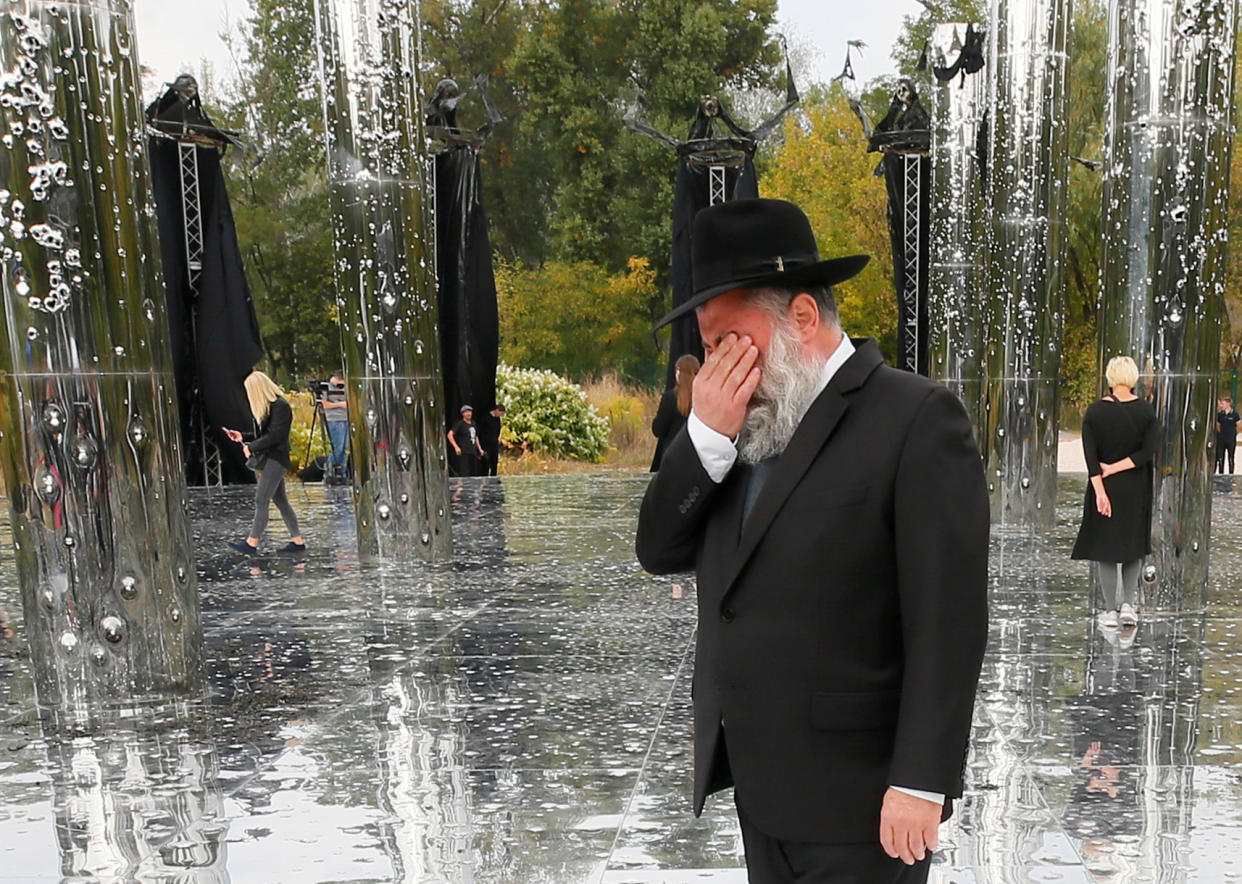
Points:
(88, 407)
(384, 274)
(140, 800)
(1026, 191)
(957, 295)
(1165, 199)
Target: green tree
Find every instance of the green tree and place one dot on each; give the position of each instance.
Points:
(575, 318)
(281, 201)
(1088, 49)
(824, 167)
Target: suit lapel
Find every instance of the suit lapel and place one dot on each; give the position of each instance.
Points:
(817, 426)
(723, 529)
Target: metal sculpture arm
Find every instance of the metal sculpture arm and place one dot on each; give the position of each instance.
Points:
(634, 124)
(763, 130)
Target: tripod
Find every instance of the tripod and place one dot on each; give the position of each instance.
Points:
(318, 419)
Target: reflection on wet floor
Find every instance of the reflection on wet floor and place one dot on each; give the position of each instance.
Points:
(524, 716)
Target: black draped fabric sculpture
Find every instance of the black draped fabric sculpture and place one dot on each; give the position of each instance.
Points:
(469, 322)
(215, 333)
(904, 139)
(730, 154)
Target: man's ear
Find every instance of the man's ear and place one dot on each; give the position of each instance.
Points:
(805, 315)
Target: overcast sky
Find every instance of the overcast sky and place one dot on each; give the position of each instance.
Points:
(176, 34)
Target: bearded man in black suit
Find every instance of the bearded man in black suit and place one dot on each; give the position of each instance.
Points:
(835, 511)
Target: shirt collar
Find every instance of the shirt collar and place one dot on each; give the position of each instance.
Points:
(832, 365)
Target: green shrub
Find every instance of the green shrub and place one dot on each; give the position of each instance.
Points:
(549, 414)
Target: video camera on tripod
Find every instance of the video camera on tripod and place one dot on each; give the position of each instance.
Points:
(327, 390)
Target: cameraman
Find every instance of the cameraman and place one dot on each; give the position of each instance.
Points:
(336, 418)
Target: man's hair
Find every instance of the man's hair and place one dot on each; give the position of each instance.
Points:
(775, 301)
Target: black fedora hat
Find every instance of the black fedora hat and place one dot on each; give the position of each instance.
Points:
(754, 243)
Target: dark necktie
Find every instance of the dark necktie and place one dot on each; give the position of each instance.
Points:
(758, 476)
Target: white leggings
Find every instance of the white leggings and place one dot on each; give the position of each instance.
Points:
(1125, 573)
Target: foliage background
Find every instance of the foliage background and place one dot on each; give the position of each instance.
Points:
(579, 207)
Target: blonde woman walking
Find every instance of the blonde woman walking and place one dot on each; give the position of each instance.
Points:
(1119, 435)
(268, 455)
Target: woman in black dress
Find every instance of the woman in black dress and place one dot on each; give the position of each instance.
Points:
(1119, 434)
(674, 407)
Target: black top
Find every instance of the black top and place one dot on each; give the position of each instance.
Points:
(1113, 431)
(489, 432)
(667, 423)
(1228, 423)
(466, 436)
(273, 438)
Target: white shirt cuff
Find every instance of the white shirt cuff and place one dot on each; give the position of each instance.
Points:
(936, 797)
(716, 451)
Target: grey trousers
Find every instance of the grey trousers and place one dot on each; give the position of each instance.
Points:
(271, 489)
(1124, 573)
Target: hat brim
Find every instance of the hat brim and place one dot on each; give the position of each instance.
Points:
(829, 272)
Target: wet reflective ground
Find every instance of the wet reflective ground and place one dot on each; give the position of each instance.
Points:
(524, 717)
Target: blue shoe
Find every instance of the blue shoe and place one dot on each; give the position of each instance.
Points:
(292, 547)
(243, 547)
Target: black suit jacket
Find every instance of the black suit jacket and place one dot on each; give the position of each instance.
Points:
(842, 628)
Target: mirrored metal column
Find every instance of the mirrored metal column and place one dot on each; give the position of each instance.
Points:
(1165, 200)
(384, 275)
(957, 295)
(88, 409)
(140, 800)
(1026, 191)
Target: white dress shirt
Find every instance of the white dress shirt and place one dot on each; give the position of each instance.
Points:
(717, 452)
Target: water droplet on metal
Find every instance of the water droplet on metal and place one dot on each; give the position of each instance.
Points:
(69, 541)
(47, 485)
(53, 417)
(137, 431)
(384, 511)
(174, 614)
(68, 642)
(129, 587)
(85, 452)
(113, 628)
(99, 655)
(418, 347)
(425, 537)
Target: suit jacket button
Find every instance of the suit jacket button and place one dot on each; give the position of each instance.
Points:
(727, 615)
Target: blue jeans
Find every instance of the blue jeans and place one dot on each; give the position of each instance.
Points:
(338, 432)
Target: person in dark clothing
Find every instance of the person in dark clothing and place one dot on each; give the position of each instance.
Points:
(268, 454)
(835, 512)
(1227, 419)
(489, 437)
(464, 440)
(336, 420)
(1119, 436)
(674, 407)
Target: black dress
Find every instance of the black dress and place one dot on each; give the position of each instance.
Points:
(1113, 431)
(666, 425)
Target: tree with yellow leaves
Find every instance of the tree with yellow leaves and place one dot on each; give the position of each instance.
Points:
(823, 166)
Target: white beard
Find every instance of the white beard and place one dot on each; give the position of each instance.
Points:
(790, 376)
